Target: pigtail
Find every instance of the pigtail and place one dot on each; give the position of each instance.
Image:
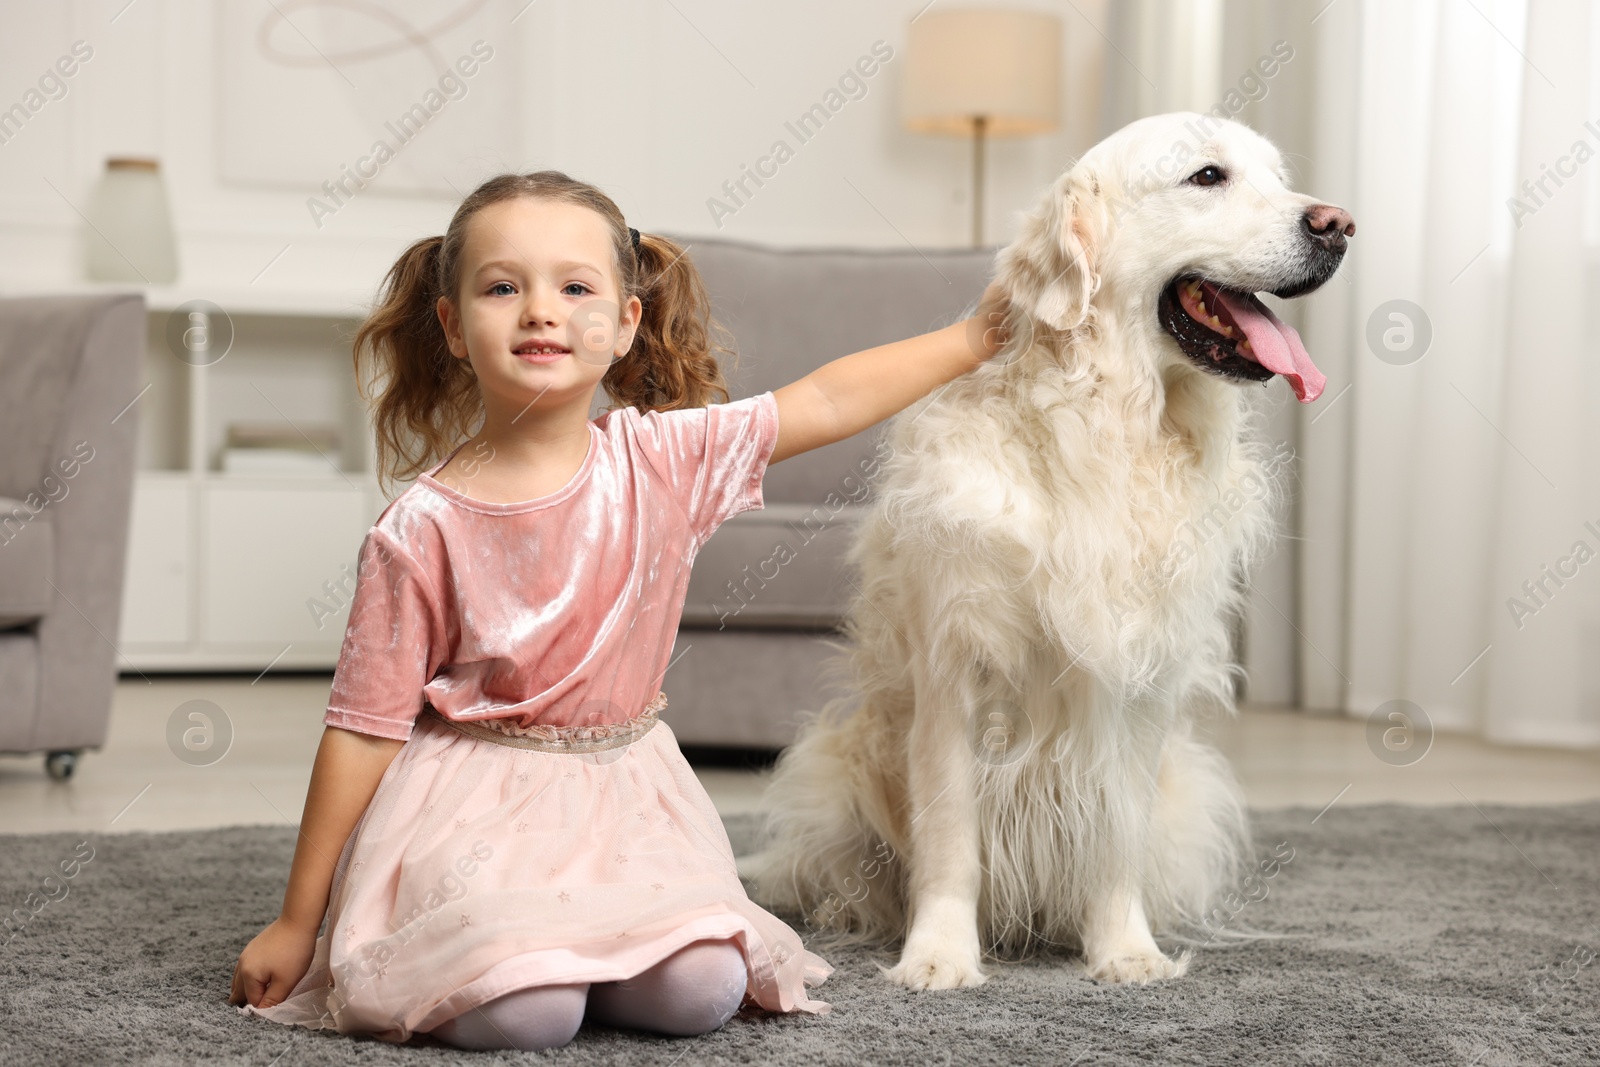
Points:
(427, 400)
(673, 361)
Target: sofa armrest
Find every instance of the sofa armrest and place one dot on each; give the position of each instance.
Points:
(27, 563)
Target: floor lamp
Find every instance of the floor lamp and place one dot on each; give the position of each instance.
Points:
(983, 72)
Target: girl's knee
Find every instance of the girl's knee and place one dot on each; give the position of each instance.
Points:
(693, 991)
(707, 982)
(527, 1020)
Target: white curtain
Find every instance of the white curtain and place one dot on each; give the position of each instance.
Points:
(1450, 523)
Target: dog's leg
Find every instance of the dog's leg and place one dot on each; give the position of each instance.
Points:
(1117, 944)
(941, 949)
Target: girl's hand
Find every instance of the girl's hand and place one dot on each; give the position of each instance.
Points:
(986, 329)
(272, 964)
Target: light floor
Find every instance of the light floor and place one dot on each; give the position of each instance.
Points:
(137, 783)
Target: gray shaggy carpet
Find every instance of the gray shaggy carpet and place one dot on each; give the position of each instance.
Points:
(1424, 936)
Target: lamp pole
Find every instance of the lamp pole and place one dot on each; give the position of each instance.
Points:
(979, 124)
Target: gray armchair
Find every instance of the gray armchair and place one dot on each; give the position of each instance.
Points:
(69, 368)
(748, 664)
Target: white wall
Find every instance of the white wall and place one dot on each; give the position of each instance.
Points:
(657, 102)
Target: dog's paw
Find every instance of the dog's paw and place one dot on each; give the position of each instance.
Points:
(1139, 968)
(936, 969)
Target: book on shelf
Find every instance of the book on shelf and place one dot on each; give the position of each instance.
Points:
(280, 448)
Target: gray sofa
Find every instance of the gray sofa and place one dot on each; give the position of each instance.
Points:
(69, 369)
(752, 648)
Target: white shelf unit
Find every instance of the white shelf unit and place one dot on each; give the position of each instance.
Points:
(242, 572)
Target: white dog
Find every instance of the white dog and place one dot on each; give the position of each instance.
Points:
(1046, 580)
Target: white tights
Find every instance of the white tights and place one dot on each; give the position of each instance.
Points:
(693, 991)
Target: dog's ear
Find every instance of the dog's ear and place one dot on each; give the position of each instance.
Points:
(1050, 269)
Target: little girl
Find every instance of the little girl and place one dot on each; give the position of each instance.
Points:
(502, 835)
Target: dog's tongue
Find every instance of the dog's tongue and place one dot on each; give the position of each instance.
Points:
(1274, 343)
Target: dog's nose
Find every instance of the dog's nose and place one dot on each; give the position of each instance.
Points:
(1328, 225)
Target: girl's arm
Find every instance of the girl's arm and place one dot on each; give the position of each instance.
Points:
(344, 777)
(849, 394)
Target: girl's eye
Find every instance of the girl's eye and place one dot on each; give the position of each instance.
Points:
(507, 289)
(1207, 175)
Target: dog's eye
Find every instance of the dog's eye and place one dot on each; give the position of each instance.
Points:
(1208, 175)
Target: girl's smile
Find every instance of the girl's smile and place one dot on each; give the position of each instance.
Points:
(541, 351)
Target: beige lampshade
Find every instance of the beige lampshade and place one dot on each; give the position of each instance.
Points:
(1003, 65)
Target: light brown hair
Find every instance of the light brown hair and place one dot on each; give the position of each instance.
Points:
(427, 401)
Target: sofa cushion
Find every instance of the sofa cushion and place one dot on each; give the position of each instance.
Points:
(27, 563)
(780, 567)
(749, 688)
(792, 310)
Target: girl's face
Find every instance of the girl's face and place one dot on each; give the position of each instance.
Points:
(537, 311)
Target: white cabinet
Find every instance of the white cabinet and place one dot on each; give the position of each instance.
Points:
(231, 571)
(157, 609)
(280, 562)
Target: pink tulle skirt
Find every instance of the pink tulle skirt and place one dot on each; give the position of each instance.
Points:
(480, 868)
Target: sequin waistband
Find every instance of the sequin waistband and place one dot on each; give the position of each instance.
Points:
(544, 738)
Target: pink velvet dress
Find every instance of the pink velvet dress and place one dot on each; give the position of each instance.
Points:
(540, 825)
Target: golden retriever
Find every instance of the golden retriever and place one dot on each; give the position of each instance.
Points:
(1046, 579)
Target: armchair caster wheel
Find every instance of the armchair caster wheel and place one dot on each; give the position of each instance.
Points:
(60, 765)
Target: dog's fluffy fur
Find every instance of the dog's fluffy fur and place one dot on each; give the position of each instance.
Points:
(1032, 644)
